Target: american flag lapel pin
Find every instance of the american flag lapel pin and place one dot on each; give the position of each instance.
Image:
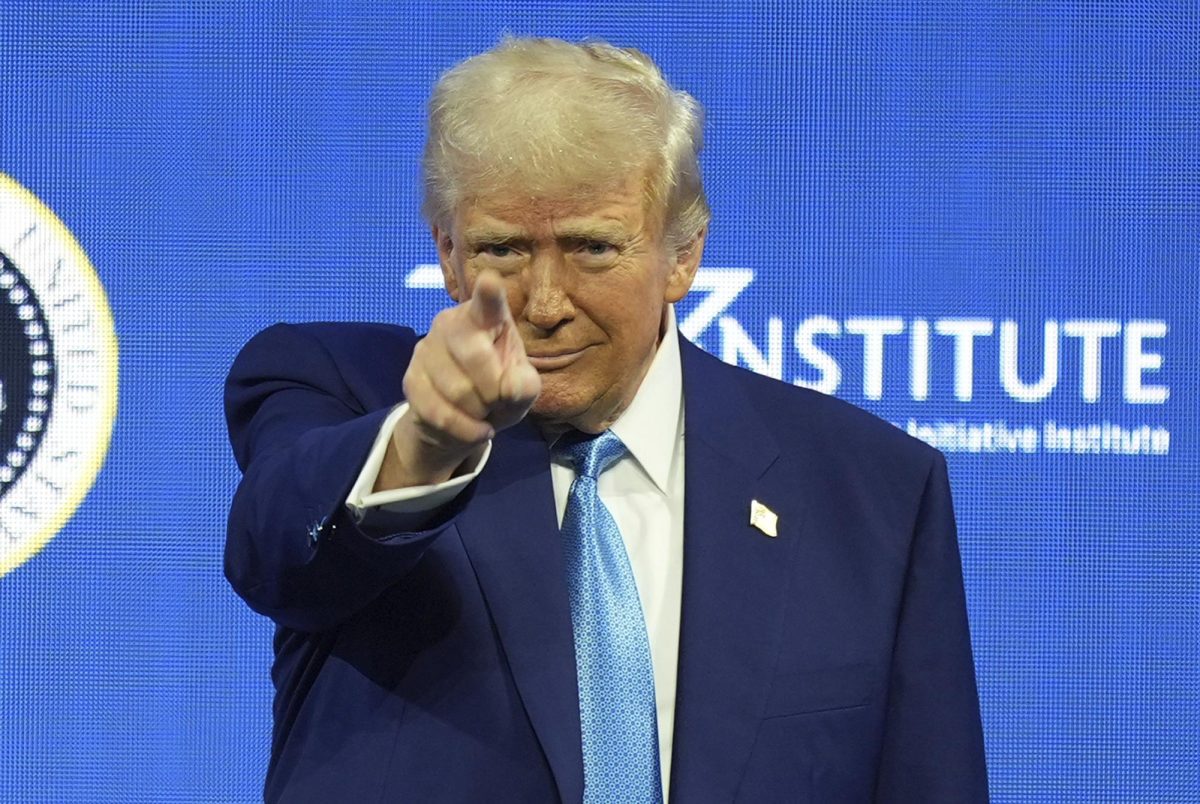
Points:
(764, 519)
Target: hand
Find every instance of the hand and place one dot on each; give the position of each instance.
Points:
(469, 378)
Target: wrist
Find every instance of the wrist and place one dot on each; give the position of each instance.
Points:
(413, 459)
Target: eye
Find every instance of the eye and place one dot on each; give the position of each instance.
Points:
(598, 248)
(498, 250)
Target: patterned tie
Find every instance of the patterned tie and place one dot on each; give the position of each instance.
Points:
(612, 649)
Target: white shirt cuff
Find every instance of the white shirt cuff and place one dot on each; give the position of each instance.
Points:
(411, 500)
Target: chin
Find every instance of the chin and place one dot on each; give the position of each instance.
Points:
(554, 410)
(590, 417)
(566, 409)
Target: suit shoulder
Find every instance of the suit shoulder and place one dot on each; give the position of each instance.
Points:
(334, 337)
(361, 364)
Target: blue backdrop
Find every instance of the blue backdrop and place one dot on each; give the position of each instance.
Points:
(979, 220)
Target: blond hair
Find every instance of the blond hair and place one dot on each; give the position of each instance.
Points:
(544, 116)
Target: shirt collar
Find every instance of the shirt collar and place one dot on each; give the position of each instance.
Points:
(649, 427)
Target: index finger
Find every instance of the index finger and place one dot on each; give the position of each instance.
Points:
(488, 305)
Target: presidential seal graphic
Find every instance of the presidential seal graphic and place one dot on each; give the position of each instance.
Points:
(58, 375)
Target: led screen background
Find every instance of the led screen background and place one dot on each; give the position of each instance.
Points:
(910, 200)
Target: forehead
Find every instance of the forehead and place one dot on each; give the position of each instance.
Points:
(622, 202)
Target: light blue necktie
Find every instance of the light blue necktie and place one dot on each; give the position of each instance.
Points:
(612, 649)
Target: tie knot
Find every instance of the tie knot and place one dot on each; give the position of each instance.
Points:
(590, 454)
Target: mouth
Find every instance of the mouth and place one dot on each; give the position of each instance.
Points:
(553, 361)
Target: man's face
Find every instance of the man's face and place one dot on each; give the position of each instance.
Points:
(588, 280)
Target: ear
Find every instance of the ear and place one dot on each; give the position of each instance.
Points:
(445, 249)
(683, 270)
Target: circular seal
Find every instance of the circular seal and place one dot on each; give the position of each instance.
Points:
(58, 375)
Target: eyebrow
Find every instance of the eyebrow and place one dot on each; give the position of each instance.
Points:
(610, 232)
(493, 234)
(572, 230)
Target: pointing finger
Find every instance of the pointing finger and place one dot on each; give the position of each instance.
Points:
(489, 303)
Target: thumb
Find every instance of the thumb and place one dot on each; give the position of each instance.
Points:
(488, 305)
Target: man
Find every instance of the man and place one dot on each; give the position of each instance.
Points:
(551, 551)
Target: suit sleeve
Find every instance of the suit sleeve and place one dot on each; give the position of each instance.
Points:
(293, 551)
(933, 740)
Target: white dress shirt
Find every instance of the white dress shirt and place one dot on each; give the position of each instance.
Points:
(644, 492)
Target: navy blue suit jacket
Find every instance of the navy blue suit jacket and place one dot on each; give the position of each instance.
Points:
(829, 664)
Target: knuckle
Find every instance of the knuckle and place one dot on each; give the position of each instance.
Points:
(439, 419)
(448, 382)
(410, 386)
(421, 355)
(461, 391)
(486, 385)
(490, 394)
(415, 384)
(473, 350)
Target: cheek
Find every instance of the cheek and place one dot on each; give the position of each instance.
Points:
(641, 309)
(629, 298)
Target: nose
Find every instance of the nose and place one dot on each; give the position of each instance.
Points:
(547, 297)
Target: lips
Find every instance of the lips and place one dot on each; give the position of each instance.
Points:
(552, 361)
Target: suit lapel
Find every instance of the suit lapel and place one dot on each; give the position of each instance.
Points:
(734, 585)
(510, 532)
